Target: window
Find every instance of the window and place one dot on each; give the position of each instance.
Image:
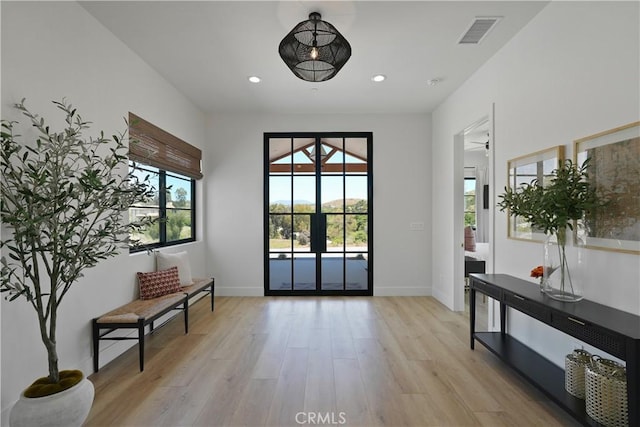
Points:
(172, 206)
(172, 167)
(470, 202)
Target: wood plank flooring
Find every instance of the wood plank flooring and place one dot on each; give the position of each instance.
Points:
(289, 361)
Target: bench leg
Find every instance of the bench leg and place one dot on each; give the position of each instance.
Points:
(96, 345)
(213, 287)
(186, 315)
(141, 342)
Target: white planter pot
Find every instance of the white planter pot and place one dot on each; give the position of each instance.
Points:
(68, 408)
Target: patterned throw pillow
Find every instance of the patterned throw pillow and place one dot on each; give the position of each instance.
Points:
(158, 283)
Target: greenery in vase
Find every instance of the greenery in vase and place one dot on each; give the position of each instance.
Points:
(63, 199)
(554, 207)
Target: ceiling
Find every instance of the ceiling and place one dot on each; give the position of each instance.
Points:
(208, 49)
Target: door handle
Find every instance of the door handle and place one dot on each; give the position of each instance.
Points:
(314, 232)
(322, 234)
(318, 232)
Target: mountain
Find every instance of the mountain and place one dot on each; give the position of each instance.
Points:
(332, 203)
(295, 202)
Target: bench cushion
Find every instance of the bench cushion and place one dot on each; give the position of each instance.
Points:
(141, 309)
(158, 283)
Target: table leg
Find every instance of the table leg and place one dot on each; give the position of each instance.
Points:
(472, 314)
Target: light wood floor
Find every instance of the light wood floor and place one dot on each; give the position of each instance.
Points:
(383, 361)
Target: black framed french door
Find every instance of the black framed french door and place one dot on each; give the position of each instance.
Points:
(318, 222)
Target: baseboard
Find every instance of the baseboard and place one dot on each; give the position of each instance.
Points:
(418, 291)
(239, 291)
(443, 298)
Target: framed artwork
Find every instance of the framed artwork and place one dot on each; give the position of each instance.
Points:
(614, 170)
(523, 170)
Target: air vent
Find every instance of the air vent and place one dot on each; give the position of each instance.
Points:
(478, 30)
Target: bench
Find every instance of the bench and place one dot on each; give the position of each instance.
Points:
(141, 313)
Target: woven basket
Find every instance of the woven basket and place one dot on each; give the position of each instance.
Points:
(606, 393)
(574, 366)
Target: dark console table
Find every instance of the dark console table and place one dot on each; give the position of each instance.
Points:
(612, 331)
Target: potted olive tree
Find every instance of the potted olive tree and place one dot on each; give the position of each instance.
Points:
(554, 208)
(63, 198)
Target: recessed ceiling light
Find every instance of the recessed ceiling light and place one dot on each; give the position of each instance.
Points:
(254, 79)
(378, 78)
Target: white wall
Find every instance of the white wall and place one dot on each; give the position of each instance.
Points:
(571, 72)
(52, 50)
(401, 187)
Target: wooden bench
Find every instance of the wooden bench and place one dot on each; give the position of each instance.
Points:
(140, 313)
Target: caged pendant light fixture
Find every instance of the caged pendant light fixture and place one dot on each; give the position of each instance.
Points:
(314, 50)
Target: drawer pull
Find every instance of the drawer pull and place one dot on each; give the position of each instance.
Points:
(519, 297)
(577, 321)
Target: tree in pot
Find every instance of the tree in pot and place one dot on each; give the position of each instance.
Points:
(62, 198)
(553, 208)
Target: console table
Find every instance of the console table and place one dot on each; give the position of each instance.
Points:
(613, 331)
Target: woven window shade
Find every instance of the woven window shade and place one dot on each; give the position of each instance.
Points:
(155, 147)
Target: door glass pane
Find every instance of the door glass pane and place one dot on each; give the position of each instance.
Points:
(356, 193)
(332, 194)
(357, 229)
(302, 233)
(280, 272)
(335, 233)
(304, 272)
(279, 194)
(357, 269)
(304, 193)
(280, 233)
(280, 155)
(332, 272)
(332, 156)
(356, 155)
(302, 163)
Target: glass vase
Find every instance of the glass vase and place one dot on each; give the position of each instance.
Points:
(563, 268)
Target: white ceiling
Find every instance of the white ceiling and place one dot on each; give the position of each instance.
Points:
(208, 49)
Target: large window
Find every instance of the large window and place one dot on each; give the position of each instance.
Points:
(171, 166)
(470, 202)
(172, 206)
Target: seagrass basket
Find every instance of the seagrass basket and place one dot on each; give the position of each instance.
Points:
(606, 392)
(574, 368)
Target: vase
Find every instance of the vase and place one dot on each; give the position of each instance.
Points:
(69, 408)
(563, 268)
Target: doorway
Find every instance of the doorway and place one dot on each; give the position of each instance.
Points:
(474, 209)
(318, 223)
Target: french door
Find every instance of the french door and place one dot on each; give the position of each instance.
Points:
(318, 229)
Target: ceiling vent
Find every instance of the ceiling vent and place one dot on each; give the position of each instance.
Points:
(479, 29)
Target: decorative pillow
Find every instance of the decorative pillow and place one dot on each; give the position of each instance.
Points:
(469, 239)
(158, 283)
(180, 260)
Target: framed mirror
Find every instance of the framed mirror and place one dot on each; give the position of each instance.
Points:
(523, 170)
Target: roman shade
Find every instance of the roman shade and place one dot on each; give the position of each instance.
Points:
(155, 147)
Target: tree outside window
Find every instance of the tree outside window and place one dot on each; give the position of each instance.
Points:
(470, 202)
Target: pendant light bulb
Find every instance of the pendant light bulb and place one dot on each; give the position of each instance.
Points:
(314, 53)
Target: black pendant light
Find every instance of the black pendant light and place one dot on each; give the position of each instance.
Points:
(314, 50)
